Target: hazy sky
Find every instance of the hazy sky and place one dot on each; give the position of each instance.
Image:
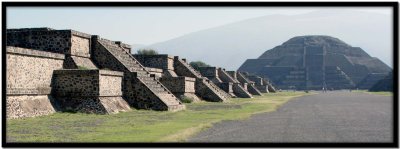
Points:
(144, 25)
(149, 25)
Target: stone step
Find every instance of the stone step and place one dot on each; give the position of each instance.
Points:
(216, 89)
(147, 78)
(156, 88)
(191, 69)
(151, 82)
(134, 66)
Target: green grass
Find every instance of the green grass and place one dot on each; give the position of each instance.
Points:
(83, 68)
(382, 93)
(140, 125)
(375, 93)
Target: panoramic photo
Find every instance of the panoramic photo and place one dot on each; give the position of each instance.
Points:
(199, 74)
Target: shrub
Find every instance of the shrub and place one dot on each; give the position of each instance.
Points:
(186, 99)
(197, 64)
(147, 52)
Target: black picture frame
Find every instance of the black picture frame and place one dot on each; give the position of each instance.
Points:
(393, 5)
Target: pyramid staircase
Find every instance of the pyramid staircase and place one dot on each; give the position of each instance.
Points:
(205, 88)
(238, 90)
(141, 90)
(250, 84)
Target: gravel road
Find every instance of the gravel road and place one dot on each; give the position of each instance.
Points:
(337, 116)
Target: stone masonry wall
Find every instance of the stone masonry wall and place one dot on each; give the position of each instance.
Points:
(161, 61)
(80, 46)
(57, 41)
(208, 71)
(20, 63)
(89, 91)
(179, 84)
(28, 89)
(110, 83)
(75, 83)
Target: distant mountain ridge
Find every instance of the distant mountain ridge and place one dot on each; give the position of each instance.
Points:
(230, 45)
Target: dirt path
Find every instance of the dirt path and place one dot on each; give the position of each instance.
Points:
(338, 116)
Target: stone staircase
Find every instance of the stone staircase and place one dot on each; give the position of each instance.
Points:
(142, 75)
(182, 68)
(191, 72)
(250, 86)
(215, 88)
(238, 90)
(226, 77)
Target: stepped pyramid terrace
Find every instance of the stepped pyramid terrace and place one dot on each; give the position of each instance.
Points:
(52, 70)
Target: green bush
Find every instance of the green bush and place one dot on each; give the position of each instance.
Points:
(197, 64)
(186, 99)
(147, 52)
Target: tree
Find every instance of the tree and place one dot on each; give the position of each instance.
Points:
(197, 64)
(147, 52)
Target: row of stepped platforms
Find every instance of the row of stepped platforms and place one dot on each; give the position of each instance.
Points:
(262, 84)
(65, 70)
(226, 82)
(211, 82)
(248, 84)
(182, 79)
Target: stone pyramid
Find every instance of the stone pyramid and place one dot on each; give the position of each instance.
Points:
(314, 62)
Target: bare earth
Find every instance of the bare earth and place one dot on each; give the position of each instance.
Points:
(338, 116)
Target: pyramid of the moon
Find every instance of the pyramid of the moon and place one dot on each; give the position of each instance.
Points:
(314, 62)
(386, 84)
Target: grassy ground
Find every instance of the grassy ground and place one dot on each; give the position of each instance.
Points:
(140, 125)
(376, 93)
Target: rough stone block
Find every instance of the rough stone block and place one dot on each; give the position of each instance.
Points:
(28, 106)
(89, 91)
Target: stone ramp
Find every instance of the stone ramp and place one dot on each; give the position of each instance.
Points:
(208, 91)
(238, 89)
(205, 88)
(253, 90)
(76, 62)
(20, 106)
(140, 89)
(250, 84)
